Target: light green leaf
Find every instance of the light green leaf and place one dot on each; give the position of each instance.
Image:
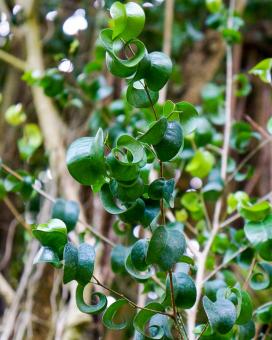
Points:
(201, 164)
(135, 21)
(269, 125)
(119, 18)
(31, 141)
(15, 115)
(214, 6)
(263, 70)
(256, 212)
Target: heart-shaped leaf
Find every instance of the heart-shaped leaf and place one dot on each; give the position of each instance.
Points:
(221, 314)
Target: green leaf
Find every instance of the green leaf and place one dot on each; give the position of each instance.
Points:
(214, 6)
(130, 191)
(184, 290)
(166, 247)
(130, 215)
(131, 145)
(264, 313)
(31, 141)
(117, 68)
(247, 331)
(168, 108)
(151, 212)
(52, 234)
(118, 258)
(155, 132)
(85, 159)
(259, 232)
(85, 266)
(221, 314)
(119, 18)
(47, 255)
(143, 317)
(78, 263)
(244, 307)
(138, 254)
(138, 97)
(15, 115)
(137, 274)
(234, 199)
(161, 188)
(110, 313)
(2, 187)
(90, 309)
(256, 212)
(121, 171)
(243, 86)
(188, 117)
(192, 201)
(159, 72)
(171, 142)
(135, 21)
(201, 164)
(263, 70)
(67, 211)
(261, 280)
(269, 125)
(70, 256)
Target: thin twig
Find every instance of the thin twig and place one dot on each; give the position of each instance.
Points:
(251, 268)
(16, 214)
(133, 304)
(13, 61)
(203, 331)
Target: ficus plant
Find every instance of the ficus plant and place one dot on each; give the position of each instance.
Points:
(135, 171)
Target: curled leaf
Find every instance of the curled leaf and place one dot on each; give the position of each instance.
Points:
(90, 309)
(110, 313)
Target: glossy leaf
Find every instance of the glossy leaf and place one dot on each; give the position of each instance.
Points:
(110, 313)
(47, 255)
(221, 314)
(264, 313)
(159, 72)
(140, 275)
(161, 188)
(262, 279)
(171, 142)
(124, 172)
(138, 254)
(67, 211)
(244, 307)
(128, 192)
(138, 97)
(143, 317)
(135, 148)
(118, 258)
(119, 18)
(52, 234)
(188, 117)
(85, 159)
(166, 247)
(70, 256)
(151, 212)
(155, 132)
(90, 309)
(184, 290)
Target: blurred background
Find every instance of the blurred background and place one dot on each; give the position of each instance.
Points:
(54, 82)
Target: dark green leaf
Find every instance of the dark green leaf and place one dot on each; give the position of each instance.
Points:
(118, 258)
(138, 97)
(70, 262)
(135, 273)
(90, 309)
(67, 211)
(155, 132)
(110, 313)
(142, 318)
(188, 117)
(52, 234)
(166, 247)
(171, 142)
(261, 280)
(244, 307)
(161, 188)
(221, 314)
(159, 72)
(138, 254)
(85, 159)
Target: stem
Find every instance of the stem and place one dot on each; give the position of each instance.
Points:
(251, 268)
(150, 100)
(172, 294)
(16, 214)
(207, 217)
(13, 61)
(203, 331)
(133, 304)
(224, 264)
